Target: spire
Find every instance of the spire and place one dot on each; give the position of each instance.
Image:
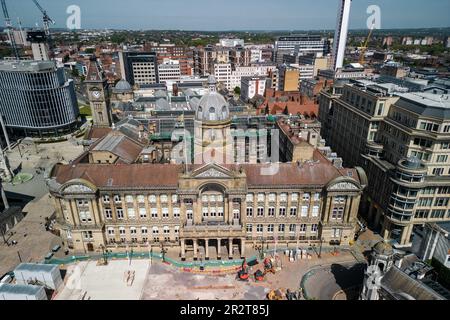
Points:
(94, 73)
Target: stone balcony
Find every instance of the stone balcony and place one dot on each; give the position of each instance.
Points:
(212, 230)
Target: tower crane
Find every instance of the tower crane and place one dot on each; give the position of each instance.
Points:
(46, 19)
(9, 30)
(362, 58)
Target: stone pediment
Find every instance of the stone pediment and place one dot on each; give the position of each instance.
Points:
(212, 171)
(78, 188)
(343, 186)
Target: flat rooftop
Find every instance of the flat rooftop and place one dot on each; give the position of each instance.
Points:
(428, 99)
(35, 267)
(29, 290)
(26, 66)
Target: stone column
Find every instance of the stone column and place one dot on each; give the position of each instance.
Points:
(218, 248)
(242, 248)
(230, 248)
(195, 249)
(206, 249)
(226, 209)
(406, 234)
(347, 209)
(183, 250)
(230, 210)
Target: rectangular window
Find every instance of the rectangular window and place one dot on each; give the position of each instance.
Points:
(249, 212)
(314, 228)
(306, 197)
(316, 196)
(283, 197)
(272, 197)
(140, 199)
(119, 213)
(293, 211)
(154, 212)
(87, 235)
(260, 211)
(271, 212)
(282, 211)
(249, 197)
(117, 198)
(305, 211)
(129, 199)
(165, 212)
(176, 212)
(144, 230)
(336, 233)
(152, 198)
(270, 228)
(261, 197)
(281, 228)
(292, 228)
(105, 198)
(294, 197)
(249, 228)
(108, 213)
(302, 228)
(131, 214)
(259, 228)
(142, 212)
(441, 202)
(315, 211)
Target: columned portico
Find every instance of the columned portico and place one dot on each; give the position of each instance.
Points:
(204, 243)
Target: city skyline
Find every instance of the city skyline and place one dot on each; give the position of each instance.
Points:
(207, 16)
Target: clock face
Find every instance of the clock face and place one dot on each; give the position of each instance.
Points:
(96, 94)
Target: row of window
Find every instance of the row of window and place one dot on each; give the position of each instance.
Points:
(432, 214)
(164, 198)
(302, 228)
(283, 197)
(131, 213)
(142, 230)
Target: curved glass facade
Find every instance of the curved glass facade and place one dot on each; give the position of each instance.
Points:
(38, 98)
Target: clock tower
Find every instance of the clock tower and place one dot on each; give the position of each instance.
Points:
(98, 94)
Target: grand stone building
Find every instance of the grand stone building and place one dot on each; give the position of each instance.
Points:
(211, 208)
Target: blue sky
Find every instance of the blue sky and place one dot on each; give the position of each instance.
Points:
(232, 14)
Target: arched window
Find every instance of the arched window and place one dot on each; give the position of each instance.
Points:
(224, 113)
(200, 112)
(212, 114)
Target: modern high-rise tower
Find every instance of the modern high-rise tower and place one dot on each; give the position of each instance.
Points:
(340, 35)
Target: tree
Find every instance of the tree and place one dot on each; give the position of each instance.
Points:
(237, 91)
(286, 111)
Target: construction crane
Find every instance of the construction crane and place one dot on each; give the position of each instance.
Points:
(362, 58)
(10, 30)
(46, 19)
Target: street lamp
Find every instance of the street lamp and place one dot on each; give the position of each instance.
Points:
(104, 252)
(163, 252)
(320, 249)
(260, 248)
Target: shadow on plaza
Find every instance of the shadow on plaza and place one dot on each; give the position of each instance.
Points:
(18, 199)
(349, 279)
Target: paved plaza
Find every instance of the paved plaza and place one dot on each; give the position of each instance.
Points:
(33, 241)
(154, 280)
